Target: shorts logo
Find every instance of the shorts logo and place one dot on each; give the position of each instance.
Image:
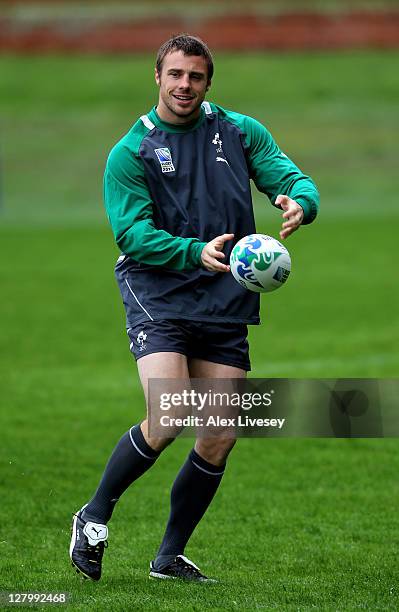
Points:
(141, 338)
(165, 159)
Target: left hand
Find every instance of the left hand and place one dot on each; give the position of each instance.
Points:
(293, 215)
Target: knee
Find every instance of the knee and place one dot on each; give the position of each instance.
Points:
(157, 444)
(214, 450)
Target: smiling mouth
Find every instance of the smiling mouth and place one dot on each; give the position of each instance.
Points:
(183, 98)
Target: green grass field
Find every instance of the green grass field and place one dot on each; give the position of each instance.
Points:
(297, 524)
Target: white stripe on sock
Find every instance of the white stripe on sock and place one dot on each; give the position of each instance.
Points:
(206, 471)
(136, 447)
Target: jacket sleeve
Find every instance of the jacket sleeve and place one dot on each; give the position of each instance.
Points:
(274, 173)
(129, 208)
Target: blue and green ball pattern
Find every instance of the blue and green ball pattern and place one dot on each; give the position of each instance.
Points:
(255, 254)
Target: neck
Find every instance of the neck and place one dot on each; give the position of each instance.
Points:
(166, 115)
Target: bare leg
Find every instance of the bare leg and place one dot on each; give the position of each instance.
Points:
(160, 365)
(214, 450)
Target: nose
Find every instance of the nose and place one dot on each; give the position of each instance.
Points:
(184, 82)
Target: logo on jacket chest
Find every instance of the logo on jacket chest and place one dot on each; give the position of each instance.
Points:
(165, 159)
(218, 143)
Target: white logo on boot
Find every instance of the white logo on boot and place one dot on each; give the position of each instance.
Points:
(95, 533)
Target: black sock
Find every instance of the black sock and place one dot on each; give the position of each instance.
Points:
(191, 494)
(131, 457)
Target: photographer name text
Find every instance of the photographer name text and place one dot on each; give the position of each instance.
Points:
(217, 421)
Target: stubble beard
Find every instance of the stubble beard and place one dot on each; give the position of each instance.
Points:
(181, 113)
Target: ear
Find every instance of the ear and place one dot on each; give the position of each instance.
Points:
(157, 78)
(208, 85)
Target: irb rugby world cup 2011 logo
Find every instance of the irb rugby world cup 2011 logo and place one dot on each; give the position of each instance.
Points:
(165, 159)
(248, 255)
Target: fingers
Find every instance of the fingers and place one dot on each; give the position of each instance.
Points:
(212, 253)
(291, 225)
(287, 214)
(213, 265)
(210, 260)
(284, 233)
(220, 240)
(292, 215)
(216, 266)
(287, 205)
(283, 201)
(216, 253)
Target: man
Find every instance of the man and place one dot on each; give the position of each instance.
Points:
(177, 191)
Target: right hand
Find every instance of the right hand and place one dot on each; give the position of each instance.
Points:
(212, 252)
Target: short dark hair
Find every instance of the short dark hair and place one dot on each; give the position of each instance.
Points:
(190, 45)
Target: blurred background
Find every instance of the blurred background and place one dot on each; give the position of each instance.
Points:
(323, 77)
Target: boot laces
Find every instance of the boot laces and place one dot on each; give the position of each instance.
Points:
(186, 569)
(96, 552)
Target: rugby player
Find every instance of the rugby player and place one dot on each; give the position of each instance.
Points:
(177, 194)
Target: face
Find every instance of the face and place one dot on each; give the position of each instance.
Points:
(183, 84)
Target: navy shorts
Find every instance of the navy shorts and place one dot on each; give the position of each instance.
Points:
(226, 344)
